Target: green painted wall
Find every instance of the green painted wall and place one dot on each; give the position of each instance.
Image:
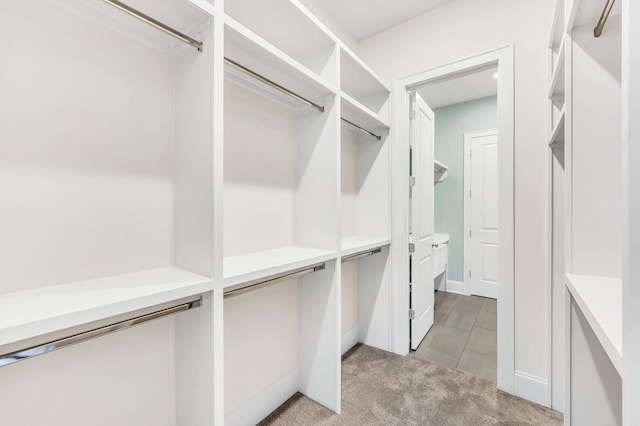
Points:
(451, 122)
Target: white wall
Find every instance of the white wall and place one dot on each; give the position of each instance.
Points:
(462, 28)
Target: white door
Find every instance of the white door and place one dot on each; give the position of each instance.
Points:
(481, 212)
(422, 220)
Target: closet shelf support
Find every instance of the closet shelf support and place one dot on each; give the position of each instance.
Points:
(64, 342)
(273, 84)
(361, 255)
(155, 23)
(362, 129)
(597, 31)
(237, 291)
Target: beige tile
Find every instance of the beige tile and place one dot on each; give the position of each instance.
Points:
(487, 320)
(438, 357)
(445, 305)
(431, 334)
(483, 341)
(470, 304)
(449, 341)
(490, 305)
(460, 320)
(479, 364)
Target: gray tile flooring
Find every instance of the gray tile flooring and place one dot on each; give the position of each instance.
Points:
(463, 335)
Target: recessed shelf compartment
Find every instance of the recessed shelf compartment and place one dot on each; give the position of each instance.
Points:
(357, 113)
(303, 38)
(558, 27)
(251, 51)
(259, 266)
(360, 83)
(440, 171)
(361, 243)
(587, 12)
(556, 141)
(32, 313)
(600, 300)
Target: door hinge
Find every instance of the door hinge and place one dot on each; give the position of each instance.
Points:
(412, 115)
(412, 181)
(469, 193)
(469, 233)
(469, 273)
(412, 248)
(412, 314)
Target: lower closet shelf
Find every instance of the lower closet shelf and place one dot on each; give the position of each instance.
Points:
(257, 266)
(600, 300)
(33, 313)
(360, 243)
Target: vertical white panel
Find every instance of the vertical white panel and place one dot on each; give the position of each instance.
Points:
(374, 300)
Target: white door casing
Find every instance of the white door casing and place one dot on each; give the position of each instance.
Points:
(422, 218)
(481, 213)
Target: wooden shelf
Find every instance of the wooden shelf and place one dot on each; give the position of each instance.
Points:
(360, 243)
(33, 313)
(600, 300)
(440, 171)
(357, 113)
(251, 51)
(556, 89)
(556, 141)
(359, 81)
(254, 267)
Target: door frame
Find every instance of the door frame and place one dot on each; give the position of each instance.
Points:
(503, 58)
(467, 208)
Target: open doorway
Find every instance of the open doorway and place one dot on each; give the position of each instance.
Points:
(462, 167)
(466, 215)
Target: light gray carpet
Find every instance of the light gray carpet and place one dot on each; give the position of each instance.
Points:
(380, 388)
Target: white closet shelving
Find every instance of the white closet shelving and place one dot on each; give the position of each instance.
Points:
(108, 180)
(239, 181)
(586, 216)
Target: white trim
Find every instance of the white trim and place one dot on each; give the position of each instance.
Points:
(467, 203)
(503, 57)
(350, 338)
(456, 287)
(531, 387)
(264, 403)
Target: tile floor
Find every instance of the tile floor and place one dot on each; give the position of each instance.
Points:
(463, 335)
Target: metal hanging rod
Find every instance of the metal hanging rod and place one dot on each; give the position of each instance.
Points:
(361, 255)
(44, 348)
(273, 84)
(362, 129)
(597, 31)
(271, 281)
(155, 23)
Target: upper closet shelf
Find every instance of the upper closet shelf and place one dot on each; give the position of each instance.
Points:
(254, 53)
(251, 268)
(600, 300)
(357, 113)
(37, 312)
(556, 89)
(557, 136)
(557, 29)
(301, 35)
(440, 171)
(190, 17)
(361, 243)
(359, 82)
(587, 12)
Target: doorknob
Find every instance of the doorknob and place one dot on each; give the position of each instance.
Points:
(435, 245)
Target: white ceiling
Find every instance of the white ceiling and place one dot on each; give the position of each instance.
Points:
(362, 18)
(476, 85)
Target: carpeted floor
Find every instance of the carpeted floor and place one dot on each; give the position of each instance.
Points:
(380, 388)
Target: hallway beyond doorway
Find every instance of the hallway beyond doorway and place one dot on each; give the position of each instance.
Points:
(463, 335)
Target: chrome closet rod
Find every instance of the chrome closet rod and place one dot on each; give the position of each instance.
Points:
(361, 255)
(273, 84)
(64, 342)
(155, 23)
(597, 31)
(362, 129)
(271, 281)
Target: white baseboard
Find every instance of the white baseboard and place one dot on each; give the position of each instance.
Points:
(455, 287)
(532, 388)
(263, 404)
(350, 339)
